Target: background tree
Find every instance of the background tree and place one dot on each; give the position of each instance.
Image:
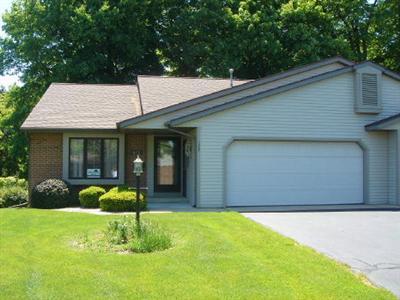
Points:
(207, 37)
(309, 33)
(385, 46)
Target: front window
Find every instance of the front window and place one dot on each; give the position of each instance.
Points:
(93, 158)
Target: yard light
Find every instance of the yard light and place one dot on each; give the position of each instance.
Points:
(138, 170)
(138, 166)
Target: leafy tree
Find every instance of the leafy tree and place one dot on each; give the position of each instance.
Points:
(207, 37)
(81, 40)
(13, 142)
(353, 20)
(309, 34)
(385, 46)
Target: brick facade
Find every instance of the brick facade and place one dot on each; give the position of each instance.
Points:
(45, 157)
(133, 144)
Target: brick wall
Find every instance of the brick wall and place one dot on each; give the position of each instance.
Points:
(45, 157)
(134, 142)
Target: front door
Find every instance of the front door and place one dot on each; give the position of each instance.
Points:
(167, 171)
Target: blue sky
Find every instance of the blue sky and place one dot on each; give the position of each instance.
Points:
(8, 79)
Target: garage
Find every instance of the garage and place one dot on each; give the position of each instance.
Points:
(262, 173)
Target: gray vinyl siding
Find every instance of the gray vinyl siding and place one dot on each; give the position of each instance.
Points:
(159, 122)
(392, 167)
(322, 110)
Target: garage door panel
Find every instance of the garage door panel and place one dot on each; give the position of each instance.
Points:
(294, 173)
(282, 164)
(305, 181)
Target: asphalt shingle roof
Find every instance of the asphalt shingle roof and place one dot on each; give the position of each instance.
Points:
(101, 106)
(160, 91)
(84, 106)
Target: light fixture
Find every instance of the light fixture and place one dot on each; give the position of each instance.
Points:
(138, 166)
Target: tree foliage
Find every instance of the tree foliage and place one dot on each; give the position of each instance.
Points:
(109, 41)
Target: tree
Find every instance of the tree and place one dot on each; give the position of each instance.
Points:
(15, 104)
(385, 45)
(208, 37)
(309, 34)
(81, 41)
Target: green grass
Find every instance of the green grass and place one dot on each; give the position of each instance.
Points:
(216, 255)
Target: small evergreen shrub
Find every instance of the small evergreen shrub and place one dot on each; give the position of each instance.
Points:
(13, 195)
(121, 198)
(51, 193)
(89, 197)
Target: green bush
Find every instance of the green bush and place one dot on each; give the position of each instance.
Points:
(51, 193)
(121, 198)
(126, 233)
(13, 181)
(13, 195)
(89, 197)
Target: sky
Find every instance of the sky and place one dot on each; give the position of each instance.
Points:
(6, 80)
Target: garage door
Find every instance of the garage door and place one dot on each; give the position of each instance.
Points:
(294, 173)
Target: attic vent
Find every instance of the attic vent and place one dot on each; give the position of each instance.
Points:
(369, 89)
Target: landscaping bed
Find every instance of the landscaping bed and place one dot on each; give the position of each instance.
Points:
(214, 255)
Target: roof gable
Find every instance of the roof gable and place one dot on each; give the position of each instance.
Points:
(341, 62)
(254, 97)
(269, 92)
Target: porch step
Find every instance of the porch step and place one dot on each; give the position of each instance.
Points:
(168, 200)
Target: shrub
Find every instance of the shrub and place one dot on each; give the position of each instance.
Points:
(13, 195)
(51, 193)
(13, 181)
(121, 199)
(89, 197)
(148, 238)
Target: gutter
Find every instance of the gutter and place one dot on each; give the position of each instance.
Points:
(169, 127)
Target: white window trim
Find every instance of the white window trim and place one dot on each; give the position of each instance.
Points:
(121, 162)
(359, 106)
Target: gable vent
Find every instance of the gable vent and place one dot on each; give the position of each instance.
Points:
(369, 89)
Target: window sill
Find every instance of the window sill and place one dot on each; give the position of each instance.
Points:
(95, 181)
(368, 110)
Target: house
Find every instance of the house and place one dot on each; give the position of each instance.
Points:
(324, 133)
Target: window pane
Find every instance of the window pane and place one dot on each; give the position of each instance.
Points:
(166, 167)
(111, 158)
(76, 158)
(93, 163)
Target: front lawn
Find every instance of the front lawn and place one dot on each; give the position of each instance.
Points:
(216, 255)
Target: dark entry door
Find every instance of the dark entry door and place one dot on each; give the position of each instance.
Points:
(167, 171)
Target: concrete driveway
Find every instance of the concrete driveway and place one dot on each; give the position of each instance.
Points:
(367, 241)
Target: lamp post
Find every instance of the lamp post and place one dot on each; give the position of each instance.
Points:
(138, 170)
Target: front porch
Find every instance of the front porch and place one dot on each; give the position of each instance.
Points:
(169, 165)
